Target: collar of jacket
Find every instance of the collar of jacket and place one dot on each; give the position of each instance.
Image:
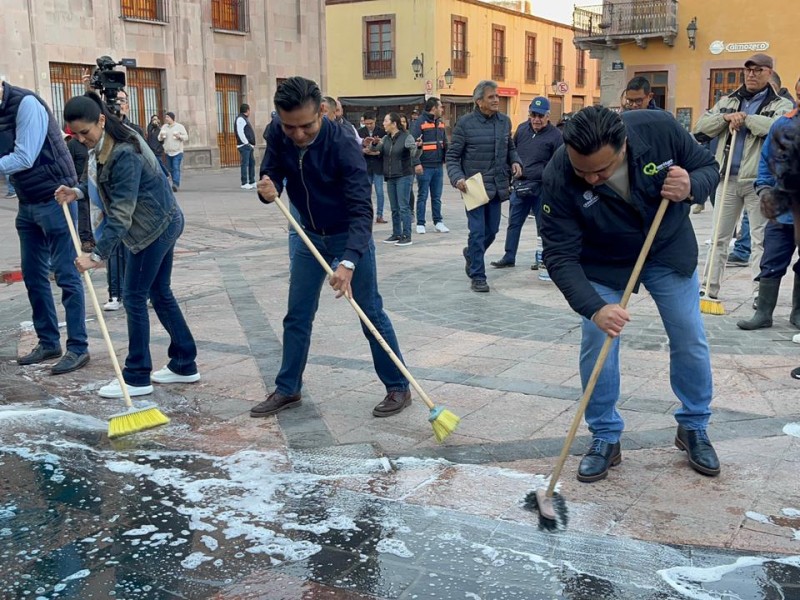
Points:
(105, 152)
(771, 95)
(483, 116)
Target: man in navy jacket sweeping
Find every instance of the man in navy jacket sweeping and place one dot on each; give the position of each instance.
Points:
(326, 178)
(601, 192)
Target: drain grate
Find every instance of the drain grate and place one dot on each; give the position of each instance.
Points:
(349, 459)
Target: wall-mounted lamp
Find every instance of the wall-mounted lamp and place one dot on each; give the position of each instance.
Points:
(448, 78)
(418, 66)
(691, 31)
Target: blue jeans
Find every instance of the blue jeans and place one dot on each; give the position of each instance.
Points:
(247, 163)
(294, 240)
(174, 168)
(45, 243)
(399, 189)
(519, 210)
(741, 248)
(431, 179)
(115, 269)
(483, 223)
(150, 272)
(690, 362)
(305, 285)
(779, 247)
(376, 180)
(9, 186)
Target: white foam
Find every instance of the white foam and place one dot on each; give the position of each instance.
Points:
(51, 417)
(792, 429)
(144, 530)
(194, 560)
(393, 546)
(790, 512)
(210, 542)
(754, 516)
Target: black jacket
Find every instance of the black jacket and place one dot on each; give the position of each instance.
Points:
(434, 139)
(80, 156)
(374, 162)
(536, 149)
(591, 234)
(399, 155)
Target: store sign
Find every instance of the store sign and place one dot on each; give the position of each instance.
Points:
(617, 65)
(506, 91)
(718, 47)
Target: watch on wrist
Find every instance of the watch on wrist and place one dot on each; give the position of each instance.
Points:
(347, 264)
(95, 257)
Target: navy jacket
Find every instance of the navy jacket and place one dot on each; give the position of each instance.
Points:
(434, 139)
(536, 149)
(591, 234)
(327, 183)
(374, 162)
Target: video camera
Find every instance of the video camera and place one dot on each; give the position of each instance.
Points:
(108, 81)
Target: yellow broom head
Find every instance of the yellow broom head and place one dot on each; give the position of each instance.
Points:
(711, 306)
(135, 420)
(444, 423)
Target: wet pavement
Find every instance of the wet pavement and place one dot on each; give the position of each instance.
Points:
(327, 502)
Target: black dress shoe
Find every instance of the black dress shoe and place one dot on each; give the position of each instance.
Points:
(275, 403)
(502, 263)
(39, 354)
(70, 362)
(468, 264)
(702, 457)
(479, 285)
(595, 464)
(392, 404)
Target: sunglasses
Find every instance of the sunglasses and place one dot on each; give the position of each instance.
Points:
(537, 115)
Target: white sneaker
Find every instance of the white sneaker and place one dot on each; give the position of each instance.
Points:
(420, 229)
(252, 186)
(113, 304)
(441, 227)
(113, 390)
(796, 338)
(245, 186)
(165, 375)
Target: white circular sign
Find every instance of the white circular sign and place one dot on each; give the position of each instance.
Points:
(716, 47)
(562, 87)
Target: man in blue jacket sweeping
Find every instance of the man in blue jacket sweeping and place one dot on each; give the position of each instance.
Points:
(326, 178)
(601, 193)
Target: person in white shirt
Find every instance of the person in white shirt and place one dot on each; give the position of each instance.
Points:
(173, 134)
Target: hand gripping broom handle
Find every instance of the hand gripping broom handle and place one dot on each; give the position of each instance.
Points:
(97, 310)
(713, 254)
(601, 358)
(364, 318)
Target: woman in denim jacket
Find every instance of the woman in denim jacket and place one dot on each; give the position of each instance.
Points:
(142, 214)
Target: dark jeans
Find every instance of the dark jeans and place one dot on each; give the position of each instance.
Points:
(432, 179)
(248, 164)
(305, 285)
(483, 223)
(115, 271)
(45, 244)
(741, 248)
(84, 220)
(149, 273)
(376, 180)
(174, 168)
(400, 192)
(779, 247)
(519, 210)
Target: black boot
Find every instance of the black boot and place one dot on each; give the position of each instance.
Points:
(794, 318)
(767, 299)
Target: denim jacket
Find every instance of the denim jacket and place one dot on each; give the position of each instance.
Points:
(136, 196)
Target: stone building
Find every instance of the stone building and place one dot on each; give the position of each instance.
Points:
(197, 58)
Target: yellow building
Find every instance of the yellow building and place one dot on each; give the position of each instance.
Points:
(392, 54)
(693, 51)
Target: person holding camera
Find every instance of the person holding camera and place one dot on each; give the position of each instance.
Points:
(141, 213)
(173, 134)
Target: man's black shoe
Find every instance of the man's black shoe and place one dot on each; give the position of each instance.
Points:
(70, 362)
(736, 261)
(468, 264)
(479, 285)
(595, 464)
(502, 263)
(796, 373)
(392, 404)
(702, 457)
(39, 354)
(275, 403)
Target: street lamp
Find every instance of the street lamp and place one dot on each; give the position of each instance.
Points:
(448, 78)
(418, 66)
(691, 31)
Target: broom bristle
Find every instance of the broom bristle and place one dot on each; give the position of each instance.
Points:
(135, 420)
(546, 521)
(444, 423)
(710, 306)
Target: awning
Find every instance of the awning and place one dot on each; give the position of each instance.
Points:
(382, 100)
(457, 99)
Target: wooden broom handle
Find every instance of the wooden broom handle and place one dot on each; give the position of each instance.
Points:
(718, 219)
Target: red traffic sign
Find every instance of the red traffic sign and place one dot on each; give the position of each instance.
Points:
(562, 87)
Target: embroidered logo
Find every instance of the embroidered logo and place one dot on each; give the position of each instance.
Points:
(590, 198)
(653, 169)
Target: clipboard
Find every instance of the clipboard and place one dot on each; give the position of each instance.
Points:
(475, 195)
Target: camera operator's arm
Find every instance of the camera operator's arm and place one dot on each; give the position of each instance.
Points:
(86, 78)
(31, 125)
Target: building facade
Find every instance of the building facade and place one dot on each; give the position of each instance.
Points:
(402, 51)
(693, 51)
(197, 58)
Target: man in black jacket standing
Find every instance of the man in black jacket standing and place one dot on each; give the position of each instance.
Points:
(429, 132)
(372, 131)
(246, 145)
(601, 193)
(536, 141)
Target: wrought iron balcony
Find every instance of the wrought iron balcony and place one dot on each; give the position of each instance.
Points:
(612, 22)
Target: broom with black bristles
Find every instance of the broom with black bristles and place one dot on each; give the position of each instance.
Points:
(708, 305)
(134, 419)
(442, 420)
(552, 508)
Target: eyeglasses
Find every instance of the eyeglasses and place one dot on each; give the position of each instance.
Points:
(754, 71)
(536, 115)
(635, 101)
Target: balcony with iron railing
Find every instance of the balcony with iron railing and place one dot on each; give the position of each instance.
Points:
(558, 72)
(378, 64)
(613, 22)
(459, 63)
(580, 77)
(499, 67)
(531, 71)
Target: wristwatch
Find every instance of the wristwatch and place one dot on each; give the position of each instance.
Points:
(347, 264)
(95, 257)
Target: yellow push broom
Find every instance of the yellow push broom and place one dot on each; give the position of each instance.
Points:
(708, 305)
(134, 419)
(443, 421)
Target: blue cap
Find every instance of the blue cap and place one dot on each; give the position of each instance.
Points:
(539, 104)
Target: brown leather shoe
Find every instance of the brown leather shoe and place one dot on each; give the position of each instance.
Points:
(381, 220)
(392, 404)
(275, 403)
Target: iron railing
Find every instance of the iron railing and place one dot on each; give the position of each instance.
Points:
(379, 64)
(499, 67)
(558, 72)
(531, 71)
(580, 77)
(460, 63)
(145, 10)
(626, 19)
(230, 15)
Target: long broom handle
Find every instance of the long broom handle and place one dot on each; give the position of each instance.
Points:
(718, 219)
(364, 318)
(98, 312)
(601, 358)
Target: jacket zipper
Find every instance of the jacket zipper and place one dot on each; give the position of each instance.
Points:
(305, 187)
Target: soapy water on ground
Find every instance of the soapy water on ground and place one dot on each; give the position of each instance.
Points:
(81, 520)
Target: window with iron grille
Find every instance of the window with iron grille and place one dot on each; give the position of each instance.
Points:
(145, 10)
(580, 71)
(458, 35)
(379, 47)
(531, 66)
(145, 95)
(498, 52)
(230, 15)
(66, 81)
(558, 60)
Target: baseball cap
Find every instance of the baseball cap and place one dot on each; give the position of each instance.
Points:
(760, 60)
(539, 104)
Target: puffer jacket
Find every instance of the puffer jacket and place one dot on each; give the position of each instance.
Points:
(400, 155)
(713, 125)
(482, 144)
